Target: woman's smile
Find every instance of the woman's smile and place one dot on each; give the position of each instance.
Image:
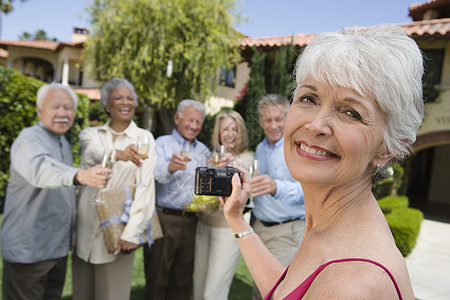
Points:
(314, 152)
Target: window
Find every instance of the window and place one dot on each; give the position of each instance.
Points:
(228, 77)
(434, 60)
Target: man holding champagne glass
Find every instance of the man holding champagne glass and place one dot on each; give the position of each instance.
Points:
(278, 213)
(169, 261)
(40, 202)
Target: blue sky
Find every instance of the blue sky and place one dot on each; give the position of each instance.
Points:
(266, 17)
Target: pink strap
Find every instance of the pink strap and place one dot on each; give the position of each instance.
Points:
(300, 291)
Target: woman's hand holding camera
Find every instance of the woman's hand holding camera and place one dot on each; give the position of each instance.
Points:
(233, 206)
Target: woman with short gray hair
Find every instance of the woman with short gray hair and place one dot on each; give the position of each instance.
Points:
(358, 104)
(100, 272)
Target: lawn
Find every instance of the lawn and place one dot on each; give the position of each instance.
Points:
(241, 288)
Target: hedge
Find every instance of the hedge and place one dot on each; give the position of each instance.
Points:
(387, 204)
(403, 221)
(17, 108)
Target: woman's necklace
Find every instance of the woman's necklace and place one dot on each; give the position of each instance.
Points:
(115, 132)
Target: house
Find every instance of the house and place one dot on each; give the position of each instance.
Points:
(51, 61)
(428, 171)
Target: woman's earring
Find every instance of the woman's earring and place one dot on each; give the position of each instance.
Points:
(377, 169)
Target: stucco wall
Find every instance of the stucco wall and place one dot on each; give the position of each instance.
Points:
(437, 116)
(242, 76)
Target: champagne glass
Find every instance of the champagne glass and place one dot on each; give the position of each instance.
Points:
(186, 151)
(253, 171)
(108, 160)
(218, 153)
(255, 168)
(142, 145)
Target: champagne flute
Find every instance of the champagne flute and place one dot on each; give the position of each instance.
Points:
(255, 168)
(186, 151)
(142, 145)
(218, 153)
(253, 171)
(108, 160)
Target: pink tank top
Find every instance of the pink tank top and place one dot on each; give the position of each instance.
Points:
(300, 291)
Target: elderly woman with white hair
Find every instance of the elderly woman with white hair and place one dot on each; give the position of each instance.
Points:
(358, 104)
(98, 273)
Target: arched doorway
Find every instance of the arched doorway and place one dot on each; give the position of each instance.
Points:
(429, 176)
(35, 67)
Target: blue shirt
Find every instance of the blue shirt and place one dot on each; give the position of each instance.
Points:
(288, 201)
(176, 189)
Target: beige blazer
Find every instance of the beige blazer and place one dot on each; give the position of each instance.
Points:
(88, 238)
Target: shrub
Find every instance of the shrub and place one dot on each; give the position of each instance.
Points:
(97, 115)
(387, 204)
(405, 227)
(403, 221)
(17, 106)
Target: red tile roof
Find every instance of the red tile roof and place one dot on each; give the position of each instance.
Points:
(441, 7)
(427, 5)
(93, 94)
(276, 41)
(47, 45)
(437, 28)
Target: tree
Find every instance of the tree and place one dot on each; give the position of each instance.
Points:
(247, 106)
(5, 7)
(18, 107)
(281, 72)
(38, 35)
(139, 39)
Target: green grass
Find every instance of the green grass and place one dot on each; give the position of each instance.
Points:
(241, 287)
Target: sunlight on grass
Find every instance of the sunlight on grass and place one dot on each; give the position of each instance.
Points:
(241, 288)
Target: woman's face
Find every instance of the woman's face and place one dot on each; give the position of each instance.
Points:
(333, 136)
(228, 133)
(121, 105)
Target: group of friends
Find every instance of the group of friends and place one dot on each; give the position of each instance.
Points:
(357, 105)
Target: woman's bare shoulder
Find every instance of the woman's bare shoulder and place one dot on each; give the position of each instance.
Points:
(357, 280)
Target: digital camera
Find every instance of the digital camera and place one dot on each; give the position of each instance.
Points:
(214, 181)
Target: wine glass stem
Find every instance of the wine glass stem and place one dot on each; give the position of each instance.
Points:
(140, 176)
(98, 200)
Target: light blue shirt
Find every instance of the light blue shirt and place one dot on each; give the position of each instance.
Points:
(176, 189)
(288, 201)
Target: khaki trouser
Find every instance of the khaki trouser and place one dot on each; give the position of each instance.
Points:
(108, 281)
(282, 240)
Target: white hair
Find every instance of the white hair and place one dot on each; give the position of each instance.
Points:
(273, 100)
(382, 63)
(43, 90)
(197, 105)
(109, 86)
